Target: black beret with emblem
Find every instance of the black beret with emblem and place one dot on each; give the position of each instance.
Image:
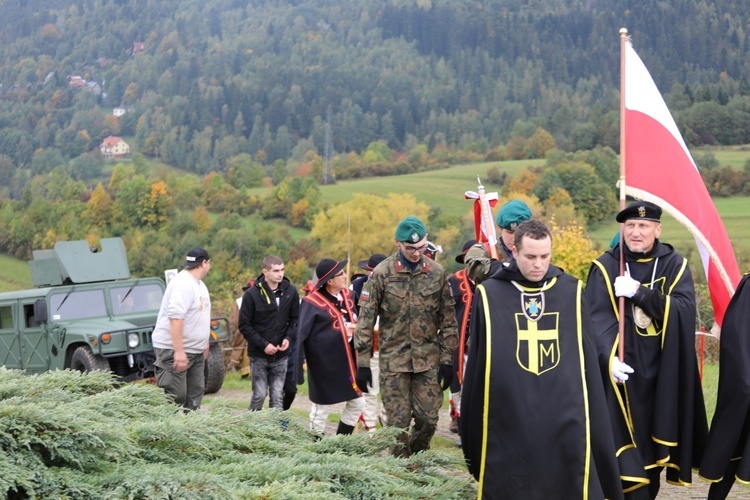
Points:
(643, 210)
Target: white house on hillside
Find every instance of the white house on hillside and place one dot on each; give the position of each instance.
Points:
(114, 147)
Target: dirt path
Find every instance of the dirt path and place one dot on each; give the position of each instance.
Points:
(699, 489)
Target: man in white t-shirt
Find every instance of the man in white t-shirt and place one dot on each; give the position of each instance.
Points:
(182, 331)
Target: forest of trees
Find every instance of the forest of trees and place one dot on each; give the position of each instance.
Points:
(294, 94)
(277, 79)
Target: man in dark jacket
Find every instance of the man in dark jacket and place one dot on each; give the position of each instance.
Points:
(268, 321)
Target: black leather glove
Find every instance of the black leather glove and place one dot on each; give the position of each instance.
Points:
(445, 376)
(364, 378)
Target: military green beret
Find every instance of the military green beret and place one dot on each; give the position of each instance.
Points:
(410, 230)
(512, 214)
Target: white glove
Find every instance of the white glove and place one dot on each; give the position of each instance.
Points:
(620, 370)
(625, 286)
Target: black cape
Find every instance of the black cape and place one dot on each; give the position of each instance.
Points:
(658, 415)
(331, 359)
(728, 439)
(534, 423)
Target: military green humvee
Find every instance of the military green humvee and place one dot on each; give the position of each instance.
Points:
(87, 314)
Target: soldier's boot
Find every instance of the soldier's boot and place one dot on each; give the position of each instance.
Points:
(344, 428)
(402, 448)
(421, 436)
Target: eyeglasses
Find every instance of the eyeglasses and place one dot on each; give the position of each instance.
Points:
(409, 249)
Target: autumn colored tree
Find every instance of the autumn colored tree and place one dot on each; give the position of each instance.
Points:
(296, 215)
(201, 219)
(559, 205)
(539, 143)
(98, 211)
(572, 250)
(524, 182)
(515, 148)
(364, 225)
(156, 208)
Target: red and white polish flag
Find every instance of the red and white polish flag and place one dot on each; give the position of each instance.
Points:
(660, 169)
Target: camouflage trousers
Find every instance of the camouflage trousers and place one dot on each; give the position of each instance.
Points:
(411, 395)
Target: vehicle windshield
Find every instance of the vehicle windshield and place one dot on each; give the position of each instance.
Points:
(77, 305)
(135, 298)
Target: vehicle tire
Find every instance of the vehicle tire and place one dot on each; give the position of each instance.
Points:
(215, 369)
(85, 361)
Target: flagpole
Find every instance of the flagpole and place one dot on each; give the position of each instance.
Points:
(621, 301)
(349, 250)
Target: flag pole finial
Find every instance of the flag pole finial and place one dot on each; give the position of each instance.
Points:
(623, 31)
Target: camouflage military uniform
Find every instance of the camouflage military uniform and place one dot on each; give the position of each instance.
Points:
(479, 264)
(418, 333)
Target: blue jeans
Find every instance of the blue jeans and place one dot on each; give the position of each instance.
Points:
(268, 374)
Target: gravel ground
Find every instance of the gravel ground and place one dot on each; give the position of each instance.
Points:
(699, 489)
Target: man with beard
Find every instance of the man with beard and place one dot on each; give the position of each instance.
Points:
(534, 422)
(654, 394)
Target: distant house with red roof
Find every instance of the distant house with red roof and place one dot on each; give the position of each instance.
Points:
(114, 147)
(76, 81)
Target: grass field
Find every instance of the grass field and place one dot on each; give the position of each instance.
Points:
(438, 188)
(14, 274)
(734, 156)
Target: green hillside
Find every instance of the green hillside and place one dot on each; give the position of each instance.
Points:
(439, 188)
(204, 81)
(14, 274)
(246, 235)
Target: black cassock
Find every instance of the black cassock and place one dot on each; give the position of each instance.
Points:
(658, 415)
(534, 424)
(728, 439)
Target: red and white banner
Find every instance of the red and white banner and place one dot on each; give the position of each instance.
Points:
(485, 230)
(660, 169)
